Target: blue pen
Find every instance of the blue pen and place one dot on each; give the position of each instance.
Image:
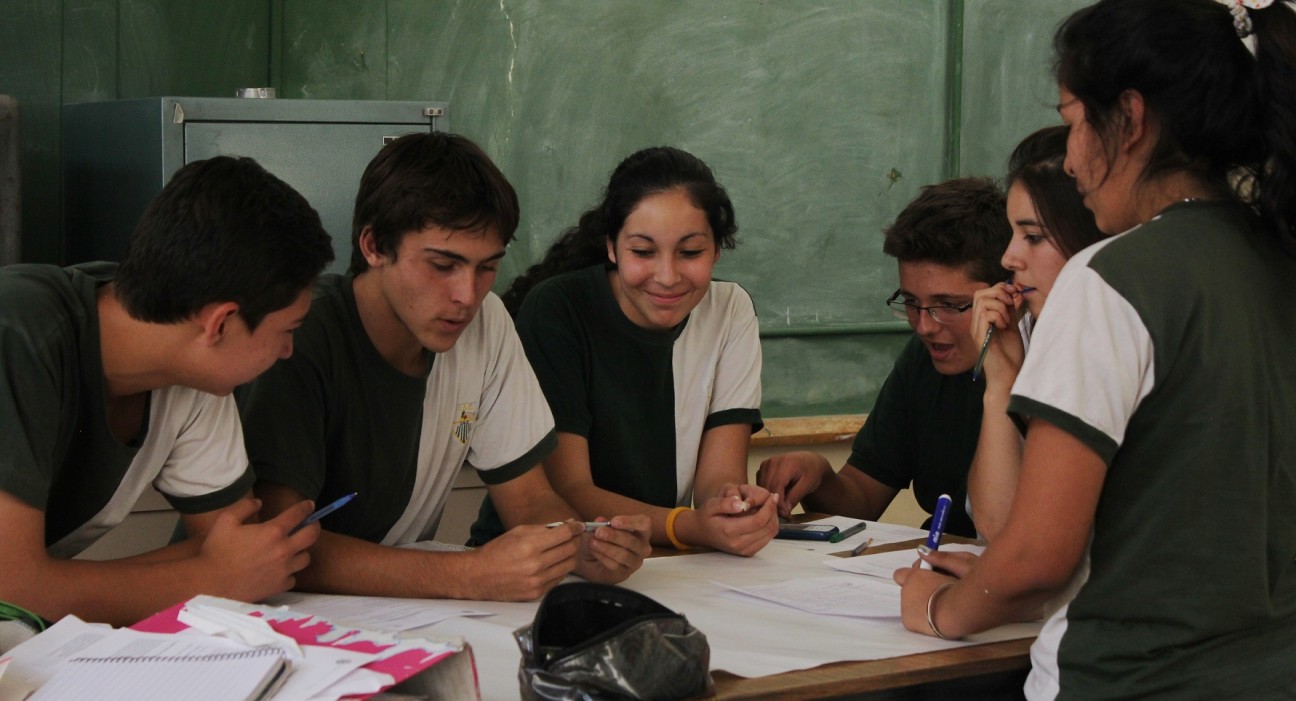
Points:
(937, 528)
(321, 513)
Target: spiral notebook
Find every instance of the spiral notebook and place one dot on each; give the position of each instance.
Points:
(234, 676)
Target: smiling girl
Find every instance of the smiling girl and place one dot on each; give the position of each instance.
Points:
(651, 368)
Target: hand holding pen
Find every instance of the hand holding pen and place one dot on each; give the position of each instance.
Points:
(937, 530)
(999, 308)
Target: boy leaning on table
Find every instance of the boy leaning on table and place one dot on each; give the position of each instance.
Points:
(407, 369)
(923, 429)
(117, 378)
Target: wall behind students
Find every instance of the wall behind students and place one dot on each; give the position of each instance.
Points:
(822, 117)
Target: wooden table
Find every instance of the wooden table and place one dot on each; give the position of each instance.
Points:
(851, 678)
(1002, 664)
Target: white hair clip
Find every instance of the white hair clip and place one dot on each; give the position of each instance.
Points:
(1241, 18)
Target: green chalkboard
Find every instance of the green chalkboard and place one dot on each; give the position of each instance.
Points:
(822, 117)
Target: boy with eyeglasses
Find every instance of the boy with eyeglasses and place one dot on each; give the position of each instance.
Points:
(924, 425)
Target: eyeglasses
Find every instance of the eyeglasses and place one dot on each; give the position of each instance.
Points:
(940, 313)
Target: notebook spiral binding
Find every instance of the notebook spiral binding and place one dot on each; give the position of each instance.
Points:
(239, 655)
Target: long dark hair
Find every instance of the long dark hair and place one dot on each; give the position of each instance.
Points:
(1036, 164)
(1224, 114)
(643, 173)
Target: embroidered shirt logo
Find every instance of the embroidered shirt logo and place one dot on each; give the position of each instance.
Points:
(463, 425)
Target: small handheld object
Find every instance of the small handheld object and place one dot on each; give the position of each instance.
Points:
(937, 528)
(321, 513)
(985, 346)
(806, 531)
(859, 549)
(850, 531)
(590, 526)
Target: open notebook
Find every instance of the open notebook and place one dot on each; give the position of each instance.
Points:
(232, 676)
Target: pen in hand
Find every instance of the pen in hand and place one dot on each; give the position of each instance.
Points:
(321, 513)
(937, 529)
(985, 346)
(590, 526)
(985, 343)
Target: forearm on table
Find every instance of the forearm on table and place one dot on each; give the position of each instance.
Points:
(342, 564)
(845, 492)
(120, 592)
(1005, 587)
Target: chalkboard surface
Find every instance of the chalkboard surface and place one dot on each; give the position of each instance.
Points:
(822, 117)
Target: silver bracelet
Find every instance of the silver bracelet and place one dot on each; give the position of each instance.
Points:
(931, 604)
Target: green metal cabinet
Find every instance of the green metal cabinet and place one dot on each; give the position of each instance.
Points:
(117, 155)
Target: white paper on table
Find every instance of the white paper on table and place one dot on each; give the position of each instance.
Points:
(834, 595)
(221, 622)
(35, 661)
(884, 565)
(374, 612)
(319, 668)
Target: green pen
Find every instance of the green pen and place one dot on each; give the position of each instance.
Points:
(843, 535)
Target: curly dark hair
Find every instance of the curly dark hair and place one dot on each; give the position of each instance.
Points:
(643, 173)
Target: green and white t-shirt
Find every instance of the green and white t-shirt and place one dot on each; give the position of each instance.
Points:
(1168, 351)
(641, 398)
(58, 453)
(337, 418)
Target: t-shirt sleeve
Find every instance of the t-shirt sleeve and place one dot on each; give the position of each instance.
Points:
(879, 450)
(284, 416)
(549, 332)
(207, 466)
(515, 429)
(736, 395)
(1090, 364)
(33, 373)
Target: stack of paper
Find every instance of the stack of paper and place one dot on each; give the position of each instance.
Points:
(231, 676)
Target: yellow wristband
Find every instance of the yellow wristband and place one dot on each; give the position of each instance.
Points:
(670, 527)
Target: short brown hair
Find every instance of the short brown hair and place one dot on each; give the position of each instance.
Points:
(433, 179)
(957, 223)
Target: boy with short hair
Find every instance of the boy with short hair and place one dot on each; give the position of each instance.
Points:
(117, 378)
(409, 368)
(925, 422)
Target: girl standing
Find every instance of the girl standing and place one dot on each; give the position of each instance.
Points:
(1159, 390)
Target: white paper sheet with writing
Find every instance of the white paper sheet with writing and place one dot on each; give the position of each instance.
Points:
(748, 637)
(884, 565)
(37, 660)
(835, 595)
(225, 676)
(375, 612)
